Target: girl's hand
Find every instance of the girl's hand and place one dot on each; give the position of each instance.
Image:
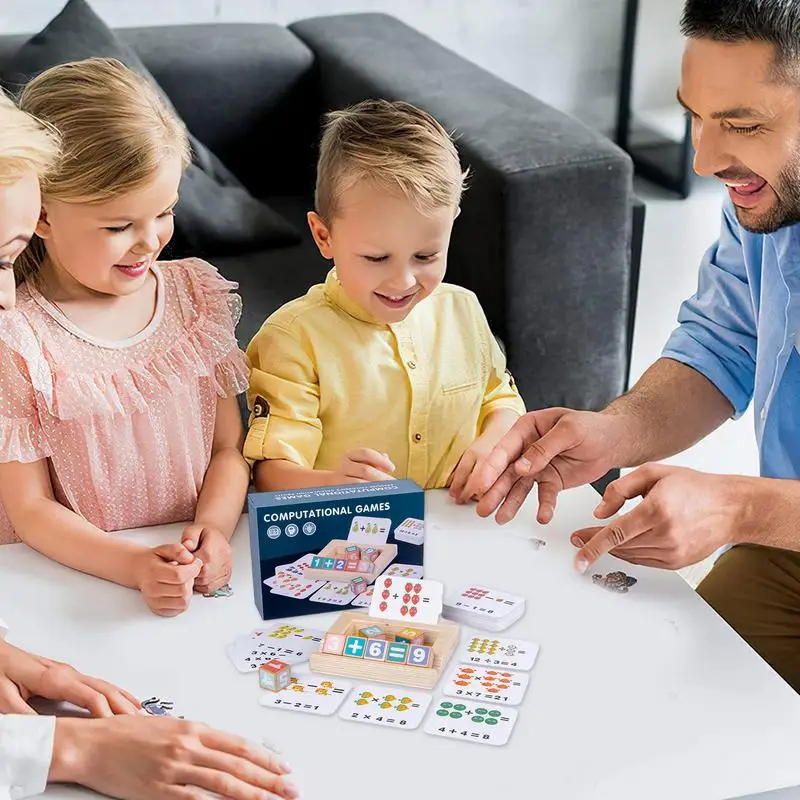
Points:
(165, 576)
(145, 758)
(24, 675)
(214, 550)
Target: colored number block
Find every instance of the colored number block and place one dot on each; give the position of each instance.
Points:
(328, 563)
(340, 563)
(358, 585)
(317, 562)
(354, 646)
(397, 652)
(410, 636)
(366, 566)
(376, 649)
(354, 549)
(333, 644)
(373, 632)
(419, 655)
(351, 564)
(370, 553)
(274, 675)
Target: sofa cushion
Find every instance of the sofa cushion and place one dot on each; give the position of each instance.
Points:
(271, 278)
(215, 213)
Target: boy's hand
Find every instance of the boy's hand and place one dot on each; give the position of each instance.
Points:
(214, 550)
(165, 576)
(364, 465)
(475, 456)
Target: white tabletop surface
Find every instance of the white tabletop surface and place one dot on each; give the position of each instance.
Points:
(644, 695)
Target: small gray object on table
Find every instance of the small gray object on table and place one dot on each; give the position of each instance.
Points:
(615, 581)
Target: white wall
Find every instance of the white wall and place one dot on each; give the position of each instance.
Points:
(659, 48)
(565, 52)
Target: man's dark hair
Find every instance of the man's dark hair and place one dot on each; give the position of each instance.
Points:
(776, 22)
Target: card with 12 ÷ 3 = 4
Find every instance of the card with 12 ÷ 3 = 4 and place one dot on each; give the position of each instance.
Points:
(498, 653)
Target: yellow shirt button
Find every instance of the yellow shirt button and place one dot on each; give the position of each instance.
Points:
(417, 437)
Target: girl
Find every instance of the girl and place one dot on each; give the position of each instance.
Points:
(119, 375)
(26, 150)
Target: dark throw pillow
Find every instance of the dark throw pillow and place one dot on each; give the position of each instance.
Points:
(216, 215)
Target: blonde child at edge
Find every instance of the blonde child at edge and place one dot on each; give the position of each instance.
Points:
(383, 371)
(119, 374)
(27, 150)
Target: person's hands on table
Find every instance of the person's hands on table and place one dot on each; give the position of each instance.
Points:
(362, 465)
(165, 576)
(684, 517)
(146, 758)
(24, 675)
(214, 550)
(555, 448)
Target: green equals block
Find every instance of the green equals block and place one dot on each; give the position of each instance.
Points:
(397, 652)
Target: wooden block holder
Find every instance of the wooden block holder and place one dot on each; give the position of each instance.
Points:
(441, 638)
(388, 553)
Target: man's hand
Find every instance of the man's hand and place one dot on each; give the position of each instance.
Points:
(145, 758)
(24, 675)
(684, 517)
(214, 550)
(555, 448)
(165, 576)
(363, 465)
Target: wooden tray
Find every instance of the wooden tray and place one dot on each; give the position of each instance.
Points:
(442, 638)
(388, 553)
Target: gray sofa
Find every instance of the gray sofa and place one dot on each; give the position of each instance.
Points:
(549, 233)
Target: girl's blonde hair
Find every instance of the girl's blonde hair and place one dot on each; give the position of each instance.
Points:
(116, 130)
(26, 145)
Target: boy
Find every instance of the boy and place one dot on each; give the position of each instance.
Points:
(383, 371)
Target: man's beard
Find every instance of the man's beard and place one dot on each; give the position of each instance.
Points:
(785, 210)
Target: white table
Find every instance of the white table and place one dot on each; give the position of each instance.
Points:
(644, 695)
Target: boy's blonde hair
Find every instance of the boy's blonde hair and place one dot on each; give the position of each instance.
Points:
(116, 130)
(394, 145)
(26, 145)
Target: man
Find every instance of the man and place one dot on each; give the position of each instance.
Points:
(736, 343)
(130, 756)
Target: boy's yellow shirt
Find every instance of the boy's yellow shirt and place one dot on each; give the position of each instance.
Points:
(328, 377)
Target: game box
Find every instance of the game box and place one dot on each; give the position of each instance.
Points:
(318, 550)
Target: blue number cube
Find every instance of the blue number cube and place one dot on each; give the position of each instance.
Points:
(354, 646)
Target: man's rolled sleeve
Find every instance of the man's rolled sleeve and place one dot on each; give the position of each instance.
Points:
(716, 334)
(26, 751)
(283, 399)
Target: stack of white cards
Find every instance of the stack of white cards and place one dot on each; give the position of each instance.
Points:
(292, 644)
(484, 608)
